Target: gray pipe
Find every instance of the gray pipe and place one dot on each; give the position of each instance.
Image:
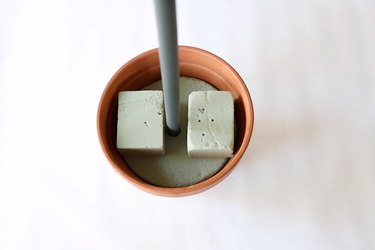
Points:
(168, 56)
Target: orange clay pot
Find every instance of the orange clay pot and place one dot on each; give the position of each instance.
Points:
(144, 70)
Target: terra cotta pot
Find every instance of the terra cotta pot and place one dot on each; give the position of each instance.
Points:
(144, 70)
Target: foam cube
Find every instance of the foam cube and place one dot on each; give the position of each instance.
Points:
(210, 124)
(140, 124)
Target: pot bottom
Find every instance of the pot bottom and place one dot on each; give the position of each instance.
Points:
(176, 168)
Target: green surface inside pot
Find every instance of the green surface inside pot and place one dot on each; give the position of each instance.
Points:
(176, 168)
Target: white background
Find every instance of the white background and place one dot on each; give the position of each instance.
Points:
(307, 180)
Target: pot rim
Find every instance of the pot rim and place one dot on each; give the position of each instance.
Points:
(205, 184)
